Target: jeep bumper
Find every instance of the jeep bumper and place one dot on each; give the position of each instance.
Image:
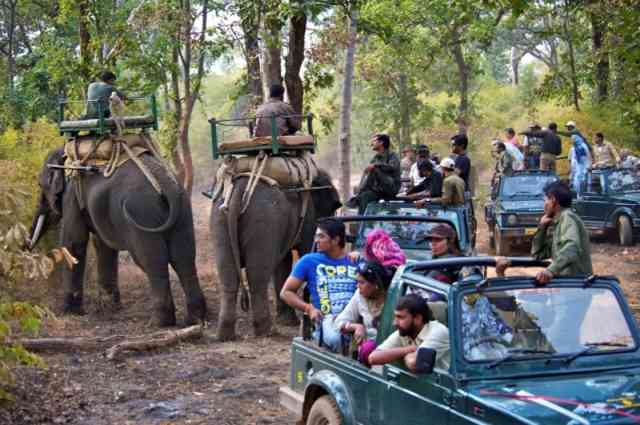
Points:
(518, 232)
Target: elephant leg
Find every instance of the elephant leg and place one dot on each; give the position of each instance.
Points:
(228, 284)
(108, 270)
(156, 266)
(182, 252)
(259, 278)
(286, 315)
(74, 237)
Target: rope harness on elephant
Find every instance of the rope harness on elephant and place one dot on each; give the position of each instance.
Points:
(297, 174)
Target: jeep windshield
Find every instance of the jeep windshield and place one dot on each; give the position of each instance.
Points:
(564, 322)
(409, 209)
(526, 185)
(623, 181)
(407, 234)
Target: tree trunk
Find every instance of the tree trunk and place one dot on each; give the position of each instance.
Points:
(345, 110)
(601, 56)
(272, 51)
(190, 88)
(405, 113)
(515, 65)
(11, 49)
(85, 39)
(293, 62)
(575, 93)
(177, 115)
(619, 67)
(463, 81)
(250, 22)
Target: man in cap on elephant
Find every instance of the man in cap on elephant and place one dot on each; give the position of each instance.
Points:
(287, 121)
(330, 275)
(98, 94)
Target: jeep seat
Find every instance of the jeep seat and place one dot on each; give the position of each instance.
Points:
(439, 310)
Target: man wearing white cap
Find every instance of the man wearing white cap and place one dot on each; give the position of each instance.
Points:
(452, 186)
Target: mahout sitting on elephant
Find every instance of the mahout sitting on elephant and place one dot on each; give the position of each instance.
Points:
(258, 235)
(124, 212)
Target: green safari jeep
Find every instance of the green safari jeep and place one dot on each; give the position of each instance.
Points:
(563, 353)
(515, 208)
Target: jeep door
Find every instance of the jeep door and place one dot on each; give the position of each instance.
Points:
(593, 205)
(415, 399)
(412, 398)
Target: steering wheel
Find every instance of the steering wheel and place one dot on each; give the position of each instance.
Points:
(487, 339)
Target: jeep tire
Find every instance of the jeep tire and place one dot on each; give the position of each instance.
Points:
(502, 244)
(625, 232)
(324, 411)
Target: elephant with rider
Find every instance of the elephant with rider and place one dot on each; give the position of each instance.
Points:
(259, 236)
(139, 209)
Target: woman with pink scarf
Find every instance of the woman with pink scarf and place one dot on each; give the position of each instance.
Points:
(360, 317)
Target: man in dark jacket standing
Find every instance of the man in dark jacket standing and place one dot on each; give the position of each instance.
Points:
(551, 146)
(381, 179)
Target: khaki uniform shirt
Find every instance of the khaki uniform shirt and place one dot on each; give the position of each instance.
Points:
(605, 155)
(452, 191)
(433, 335)
(504, 165)
(566, 242)
(286, 124)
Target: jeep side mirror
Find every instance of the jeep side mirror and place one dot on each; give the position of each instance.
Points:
(425, 360)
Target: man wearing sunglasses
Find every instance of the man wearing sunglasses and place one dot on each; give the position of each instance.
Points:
(330, 276)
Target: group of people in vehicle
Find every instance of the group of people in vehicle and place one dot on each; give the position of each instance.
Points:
(348, 290)
(419, 176)
(541, 147)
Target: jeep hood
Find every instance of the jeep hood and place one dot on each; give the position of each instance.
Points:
(604, 398)
(523, 205)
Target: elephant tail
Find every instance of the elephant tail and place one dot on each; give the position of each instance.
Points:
(171, 194)
(233, 216)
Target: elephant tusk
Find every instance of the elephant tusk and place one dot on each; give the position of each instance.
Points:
(37, 231)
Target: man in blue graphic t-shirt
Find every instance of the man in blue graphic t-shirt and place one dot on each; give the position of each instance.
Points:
(330, 276)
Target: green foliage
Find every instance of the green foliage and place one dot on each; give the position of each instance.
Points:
(16, 265)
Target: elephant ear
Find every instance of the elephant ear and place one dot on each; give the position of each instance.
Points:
(51, 180)
(326, 201)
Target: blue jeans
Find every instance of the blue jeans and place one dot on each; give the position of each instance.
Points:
(330, 335)
(533, 162)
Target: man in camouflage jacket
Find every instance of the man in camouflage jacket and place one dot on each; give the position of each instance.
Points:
(561, 236)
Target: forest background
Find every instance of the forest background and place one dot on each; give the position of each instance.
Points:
(421, 70)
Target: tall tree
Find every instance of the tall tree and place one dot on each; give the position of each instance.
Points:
(272, 39)
(295, 55)
(345, 106)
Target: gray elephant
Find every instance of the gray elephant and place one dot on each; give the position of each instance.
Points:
(123, 212)
(261, 239)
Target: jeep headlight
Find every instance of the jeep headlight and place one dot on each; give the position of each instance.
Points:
(512, 220)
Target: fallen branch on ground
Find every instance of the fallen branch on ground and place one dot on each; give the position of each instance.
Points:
(156, 340)
(122, 342)
(70, 344)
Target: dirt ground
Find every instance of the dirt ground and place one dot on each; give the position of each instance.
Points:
(201, 382)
